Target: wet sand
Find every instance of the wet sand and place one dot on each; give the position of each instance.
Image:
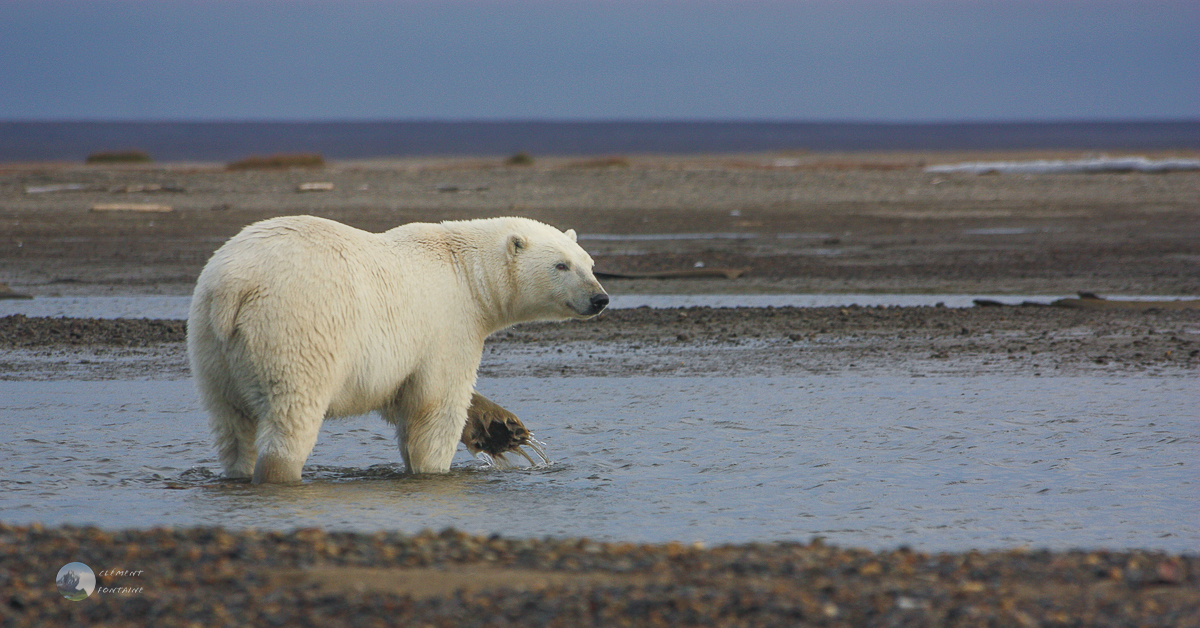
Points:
(820, 223)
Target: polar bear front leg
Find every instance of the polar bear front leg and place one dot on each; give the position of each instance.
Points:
(429, 425)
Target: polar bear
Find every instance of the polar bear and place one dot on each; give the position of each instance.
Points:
(299, 319)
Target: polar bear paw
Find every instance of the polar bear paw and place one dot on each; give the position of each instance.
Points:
(494, 431)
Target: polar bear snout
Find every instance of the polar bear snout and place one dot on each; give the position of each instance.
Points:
(597, 303)
(589, 308)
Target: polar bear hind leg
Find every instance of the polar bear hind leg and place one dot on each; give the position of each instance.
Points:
(233, 427)
(234, 432)
(287, 434)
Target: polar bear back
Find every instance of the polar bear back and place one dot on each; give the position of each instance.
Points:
(366, 307)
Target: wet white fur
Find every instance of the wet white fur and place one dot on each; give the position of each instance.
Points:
(298, 319)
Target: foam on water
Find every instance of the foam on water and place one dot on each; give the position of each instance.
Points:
(1076, 166)
(940, 463)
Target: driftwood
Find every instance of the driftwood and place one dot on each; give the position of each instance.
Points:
(9, 293)
(315, 186)
(688, 273)
(1090, 301)
(139, 188)
(59, 187)
(130, 207)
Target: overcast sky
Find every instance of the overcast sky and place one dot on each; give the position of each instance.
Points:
(858, 60)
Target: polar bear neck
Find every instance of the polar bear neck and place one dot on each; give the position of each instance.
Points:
(479, 263)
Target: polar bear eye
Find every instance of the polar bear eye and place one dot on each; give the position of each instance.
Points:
(561, 266)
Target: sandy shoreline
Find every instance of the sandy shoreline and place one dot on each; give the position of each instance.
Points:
(820, 223)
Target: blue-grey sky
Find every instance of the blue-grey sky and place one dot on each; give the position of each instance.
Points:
(857, 60)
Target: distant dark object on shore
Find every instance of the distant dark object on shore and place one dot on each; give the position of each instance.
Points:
(278, 162)
(120, 157)
(612, 161)
(520, 159)
(1092, 301)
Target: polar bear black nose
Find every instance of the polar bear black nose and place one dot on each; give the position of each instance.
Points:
(599, 302)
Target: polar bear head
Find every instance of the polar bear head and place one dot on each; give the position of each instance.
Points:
(549, 274)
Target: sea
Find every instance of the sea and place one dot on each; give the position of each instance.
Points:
(36, 141)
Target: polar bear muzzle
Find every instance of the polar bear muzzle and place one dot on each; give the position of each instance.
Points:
(589, 308)
(598, 302)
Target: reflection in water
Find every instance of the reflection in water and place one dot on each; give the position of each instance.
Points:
(329, 493)
(939, 463)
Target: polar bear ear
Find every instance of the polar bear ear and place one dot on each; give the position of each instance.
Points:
(571, 234)
(515, 244)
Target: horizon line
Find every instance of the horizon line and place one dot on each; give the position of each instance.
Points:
(631, 120)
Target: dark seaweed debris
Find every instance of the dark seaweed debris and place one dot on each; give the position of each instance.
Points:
(20, 331)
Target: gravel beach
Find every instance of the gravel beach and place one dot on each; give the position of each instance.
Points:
(701, 341)
(310, 577)
(796, 222)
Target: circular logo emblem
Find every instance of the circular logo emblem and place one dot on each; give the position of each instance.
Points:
(76, 581)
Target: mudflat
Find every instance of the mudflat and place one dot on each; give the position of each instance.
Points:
(797, 223)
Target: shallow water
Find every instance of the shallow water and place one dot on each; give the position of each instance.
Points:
(176, 307)
(937, 463)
